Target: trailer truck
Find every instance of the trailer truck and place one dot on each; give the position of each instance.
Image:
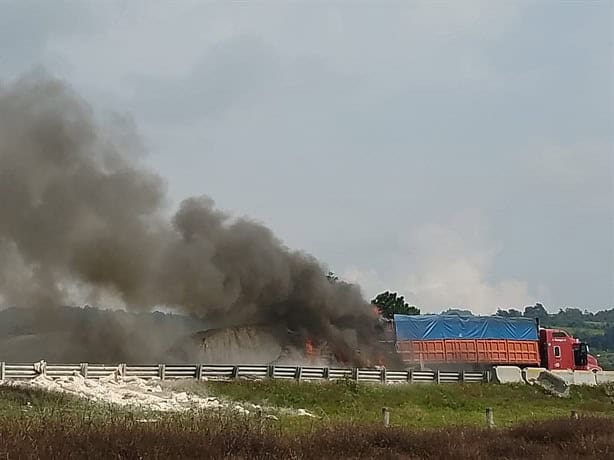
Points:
(478, 342)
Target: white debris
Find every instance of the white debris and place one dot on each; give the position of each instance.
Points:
(128, 392)
(134, 392)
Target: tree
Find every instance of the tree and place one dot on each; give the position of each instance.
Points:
(457, 312)
(537, 311)
(390, 304)
(511, 313)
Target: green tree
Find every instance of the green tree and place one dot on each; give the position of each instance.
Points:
(457, 312)
(390, 304)
(536, 311)
(511, 313)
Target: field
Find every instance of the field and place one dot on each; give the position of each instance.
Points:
(419, 406)
(427, 421)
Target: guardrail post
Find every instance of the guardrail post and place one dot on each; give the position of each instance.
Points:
(437, 376)
(410, 376)
(122, 370)
(260, 421)
(84, 370)
(299, 372)
(383, 374)
(2, 370)
(490, 418)
(355, 374)
(162, 371)
(326, 373)
(199, 372)
(487, 376)
(270, 372)
(386, 417)
(235, 372)
(40, 367)
(462, 376)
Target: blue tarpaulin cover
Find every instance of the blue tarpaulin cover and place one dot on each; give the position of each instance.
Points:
(439, 327)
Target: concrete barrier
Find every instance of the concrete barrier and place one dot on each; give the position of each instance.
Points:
(584, 378)
(508, 374)
(531, 374)
(604, 377)
(570, 377)
(577, 377)
(566, 375)
(554, 383)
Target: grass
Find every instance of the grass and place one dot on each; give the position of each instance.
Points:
(205, 436)
(428, 422)
(421, 406)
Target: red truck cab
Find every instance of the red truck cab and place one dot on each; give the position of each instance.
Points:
(560, 351)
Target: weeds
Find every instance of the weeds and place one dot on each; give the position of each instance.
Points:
(419, 406)
(429, 422)
(202, 435)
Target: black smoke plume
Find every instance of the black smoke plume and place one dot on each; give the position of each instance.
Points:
(82, 220)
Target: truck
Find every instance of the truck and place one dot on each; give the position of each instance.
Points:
(452, 342)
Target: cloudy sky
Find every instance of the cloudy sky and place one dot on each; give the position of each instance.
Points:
(460, 152)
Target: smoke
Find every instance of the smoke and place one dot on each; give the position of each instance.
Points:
(82, 220)
(454, 266)
(450, 264)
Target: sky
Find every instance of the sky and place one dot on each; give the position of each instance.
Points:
(459, 153)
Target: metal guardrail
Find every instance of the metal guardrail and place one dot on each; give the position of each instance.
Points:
(24, 371)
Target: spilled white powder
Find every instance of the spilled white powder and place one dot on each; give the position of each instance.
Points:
(137, 393)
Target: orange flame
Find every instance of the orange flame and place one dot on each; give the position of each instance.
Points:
(309, 349)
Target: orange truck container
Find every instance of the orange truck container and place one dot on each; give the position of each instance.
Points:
(469, 351)
(478, 341)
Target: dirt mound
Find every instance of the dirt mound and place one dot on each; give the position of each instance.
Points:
(234, 345)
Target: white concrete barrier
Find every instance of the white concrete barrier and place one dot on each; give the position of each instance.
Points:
(531, 374)
(577, 377)
(554, 383)
(508, 374)
(566, 375)
(604, 377)
(584, 378)
(570, 377)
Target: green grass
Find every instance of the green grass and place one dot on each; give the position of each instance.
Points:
(36, 403)
(417, 405)
(449, 417)
(15, 400)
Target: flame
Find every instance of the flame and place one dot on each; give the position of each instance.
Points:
(309, 349)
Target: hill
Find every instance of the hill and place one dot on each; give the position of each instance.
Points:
(70, 334)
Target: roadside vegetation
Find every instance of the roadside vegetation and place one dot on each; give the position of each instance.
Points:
(418, 405)
(427, 422)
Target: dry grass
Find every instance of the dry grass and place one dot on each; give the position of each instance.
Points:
(123, 436)
(36, 424)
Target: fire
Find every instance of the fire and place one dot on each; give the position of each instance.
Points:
(309, 349)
